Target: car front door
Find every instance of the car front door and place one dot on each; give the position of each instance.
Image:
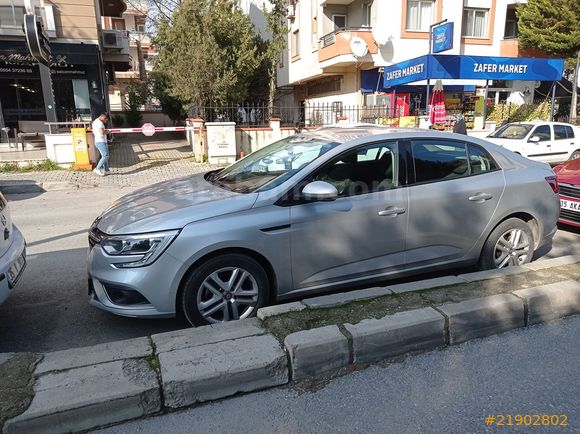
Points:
(362, 232)
(542, 149)
(456, 189)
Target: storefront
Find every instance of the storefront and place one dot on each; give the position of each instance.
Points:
(403, 86)
(76, 71)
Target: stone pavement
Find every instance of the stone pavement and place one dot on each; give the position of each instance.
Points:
(132, 164)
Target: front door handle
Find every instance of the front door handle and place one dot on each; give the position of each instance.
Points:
(392, 211)
(480, 197)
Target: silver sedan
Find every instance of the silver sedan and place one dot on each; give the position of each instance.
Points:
(328, 209)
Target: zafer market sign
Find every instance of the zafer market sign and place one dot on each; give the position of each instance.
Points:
(472, 67)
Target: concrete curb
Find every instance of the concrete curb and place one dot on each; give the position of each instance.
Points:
(82, 389)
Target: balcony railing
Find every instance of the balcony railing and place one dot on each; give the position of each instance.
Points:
(337, 43)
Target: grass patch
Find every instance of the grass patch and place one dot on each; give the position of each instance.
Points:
(45, 165)
(153, 361)
(354, 312)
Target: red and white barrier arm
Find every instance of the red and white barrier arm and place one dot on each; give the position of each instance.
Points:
(140, 130)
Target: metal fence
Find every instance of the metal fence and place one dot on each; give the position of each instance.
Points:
(259, 115)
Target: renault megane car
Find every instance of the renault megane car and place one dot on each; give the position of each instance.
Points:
(317, 211)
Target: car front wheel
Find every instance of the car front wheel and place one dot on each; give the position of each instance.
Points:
(511, 243)
(575, 155)
(226, 287)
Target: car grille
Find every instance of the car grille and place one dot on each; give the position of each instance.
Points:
(570, 215)
(95, 236)
(570, 191)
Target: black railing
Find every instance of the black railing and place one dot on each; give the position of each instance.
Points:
(309, 115)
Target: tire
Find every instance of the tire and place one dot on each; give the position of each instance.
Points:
(575, 155)
(498, 250)
(208, 299)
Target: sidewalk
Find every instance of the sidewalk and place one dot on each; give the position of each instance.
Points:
(132, 164)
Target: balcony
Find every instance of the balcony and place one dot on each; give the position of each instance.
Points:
(511, 48)
(113, 8)
(335, 50)
(336, 2)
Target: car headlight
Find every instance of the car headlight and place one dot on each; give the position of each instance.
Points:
(138, 249)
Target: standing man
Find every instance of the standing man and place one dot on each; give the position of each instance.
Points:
(100, 132)
(460, 127)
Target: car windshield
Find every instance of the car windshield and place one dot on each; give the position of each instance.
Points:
(273, 164)
(512, 131)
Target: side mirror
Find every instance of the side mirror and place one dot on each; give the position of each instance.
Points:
(319, 191)
(534, 139)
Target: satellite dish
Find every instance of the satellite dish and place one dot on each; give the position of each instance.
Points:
(359, 47)
(381, 33)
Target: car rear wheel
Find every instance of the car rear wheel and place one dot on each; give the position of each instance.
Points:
(511, 243)
(226, 287)
(575, 155)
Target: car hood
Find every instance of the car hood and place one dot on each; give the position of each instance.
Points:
(171, 205)
(506, 143)
(569, 172)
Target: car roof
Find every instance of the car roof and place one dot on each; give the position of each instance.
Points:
(537, 122)
(347, 132)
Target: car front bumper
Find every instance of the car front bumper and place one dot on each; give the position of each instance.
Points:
(148, 291)
(15, 251)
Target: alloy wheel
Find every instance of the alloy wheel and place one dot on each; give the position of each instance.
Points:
(512, 249)
(229, 293)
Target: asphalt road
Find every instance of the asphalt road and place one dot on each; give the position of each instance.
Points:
(49, 311)
(526, 371)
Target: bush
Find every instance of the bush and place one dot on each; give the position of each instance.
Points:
(118, 120)
(134, 118)
(519, 112)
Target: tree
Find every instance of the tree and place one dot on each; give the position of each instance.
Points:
(138, 94)
(278, 28)
(208, 53)
(552, 26)
(171, 106)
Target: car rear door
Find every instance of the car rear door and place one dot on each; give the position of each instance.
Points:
(563, 144)
(454, 192)
(360, 234)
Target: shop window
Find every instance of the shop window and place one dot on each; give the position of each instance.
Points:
(367, 14)
(21, 101)
(475, 23)
(420, 15)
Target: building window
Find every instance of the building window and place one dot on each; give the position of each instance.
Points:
(11, 16)
(511, 23)
(475, 23)
(118, 23)
(420, 14)
(339, 21)
(314, 25)
(296, 43)
(367, 14)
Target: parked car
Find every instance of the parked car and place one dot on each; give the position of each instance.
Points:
(568, 175)
(12, 252)
(551, 142)
(367, 204)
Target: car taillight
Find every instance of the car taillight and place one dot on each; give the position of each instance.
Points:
(553, 184)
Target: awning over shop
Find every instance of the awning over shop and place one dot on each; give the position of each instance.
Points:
(471, 67)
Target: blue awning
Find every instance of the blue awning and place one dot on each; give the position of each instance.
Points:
(372, 81)
(472, 68)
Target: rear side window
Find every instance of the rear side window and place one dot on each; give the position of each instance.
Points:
(437, 160)
(560, 132)
(543, 132)
(569, 132)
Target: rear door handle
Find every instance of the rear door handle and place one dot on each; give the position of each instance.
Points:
(392, 211)
(480, 197)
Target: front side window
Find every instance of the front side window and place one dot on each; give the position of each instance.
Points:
(367, 169)
(475, 23)
(419, 15)
(543, 132)
(273, 164)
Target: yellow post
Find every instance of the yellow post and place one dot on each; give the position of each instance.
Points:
(80, 144)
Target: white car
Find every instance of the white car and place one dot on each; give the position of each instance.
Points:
(550, 142)
(12, 251)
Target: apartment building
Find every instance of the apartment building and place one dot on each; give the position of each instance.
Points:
(132, 23)
(337, 49)
(81, 55)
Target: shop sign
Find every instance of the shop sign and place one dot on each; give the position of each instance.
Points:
(37, 39)
(443, 37)
(473, 68)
